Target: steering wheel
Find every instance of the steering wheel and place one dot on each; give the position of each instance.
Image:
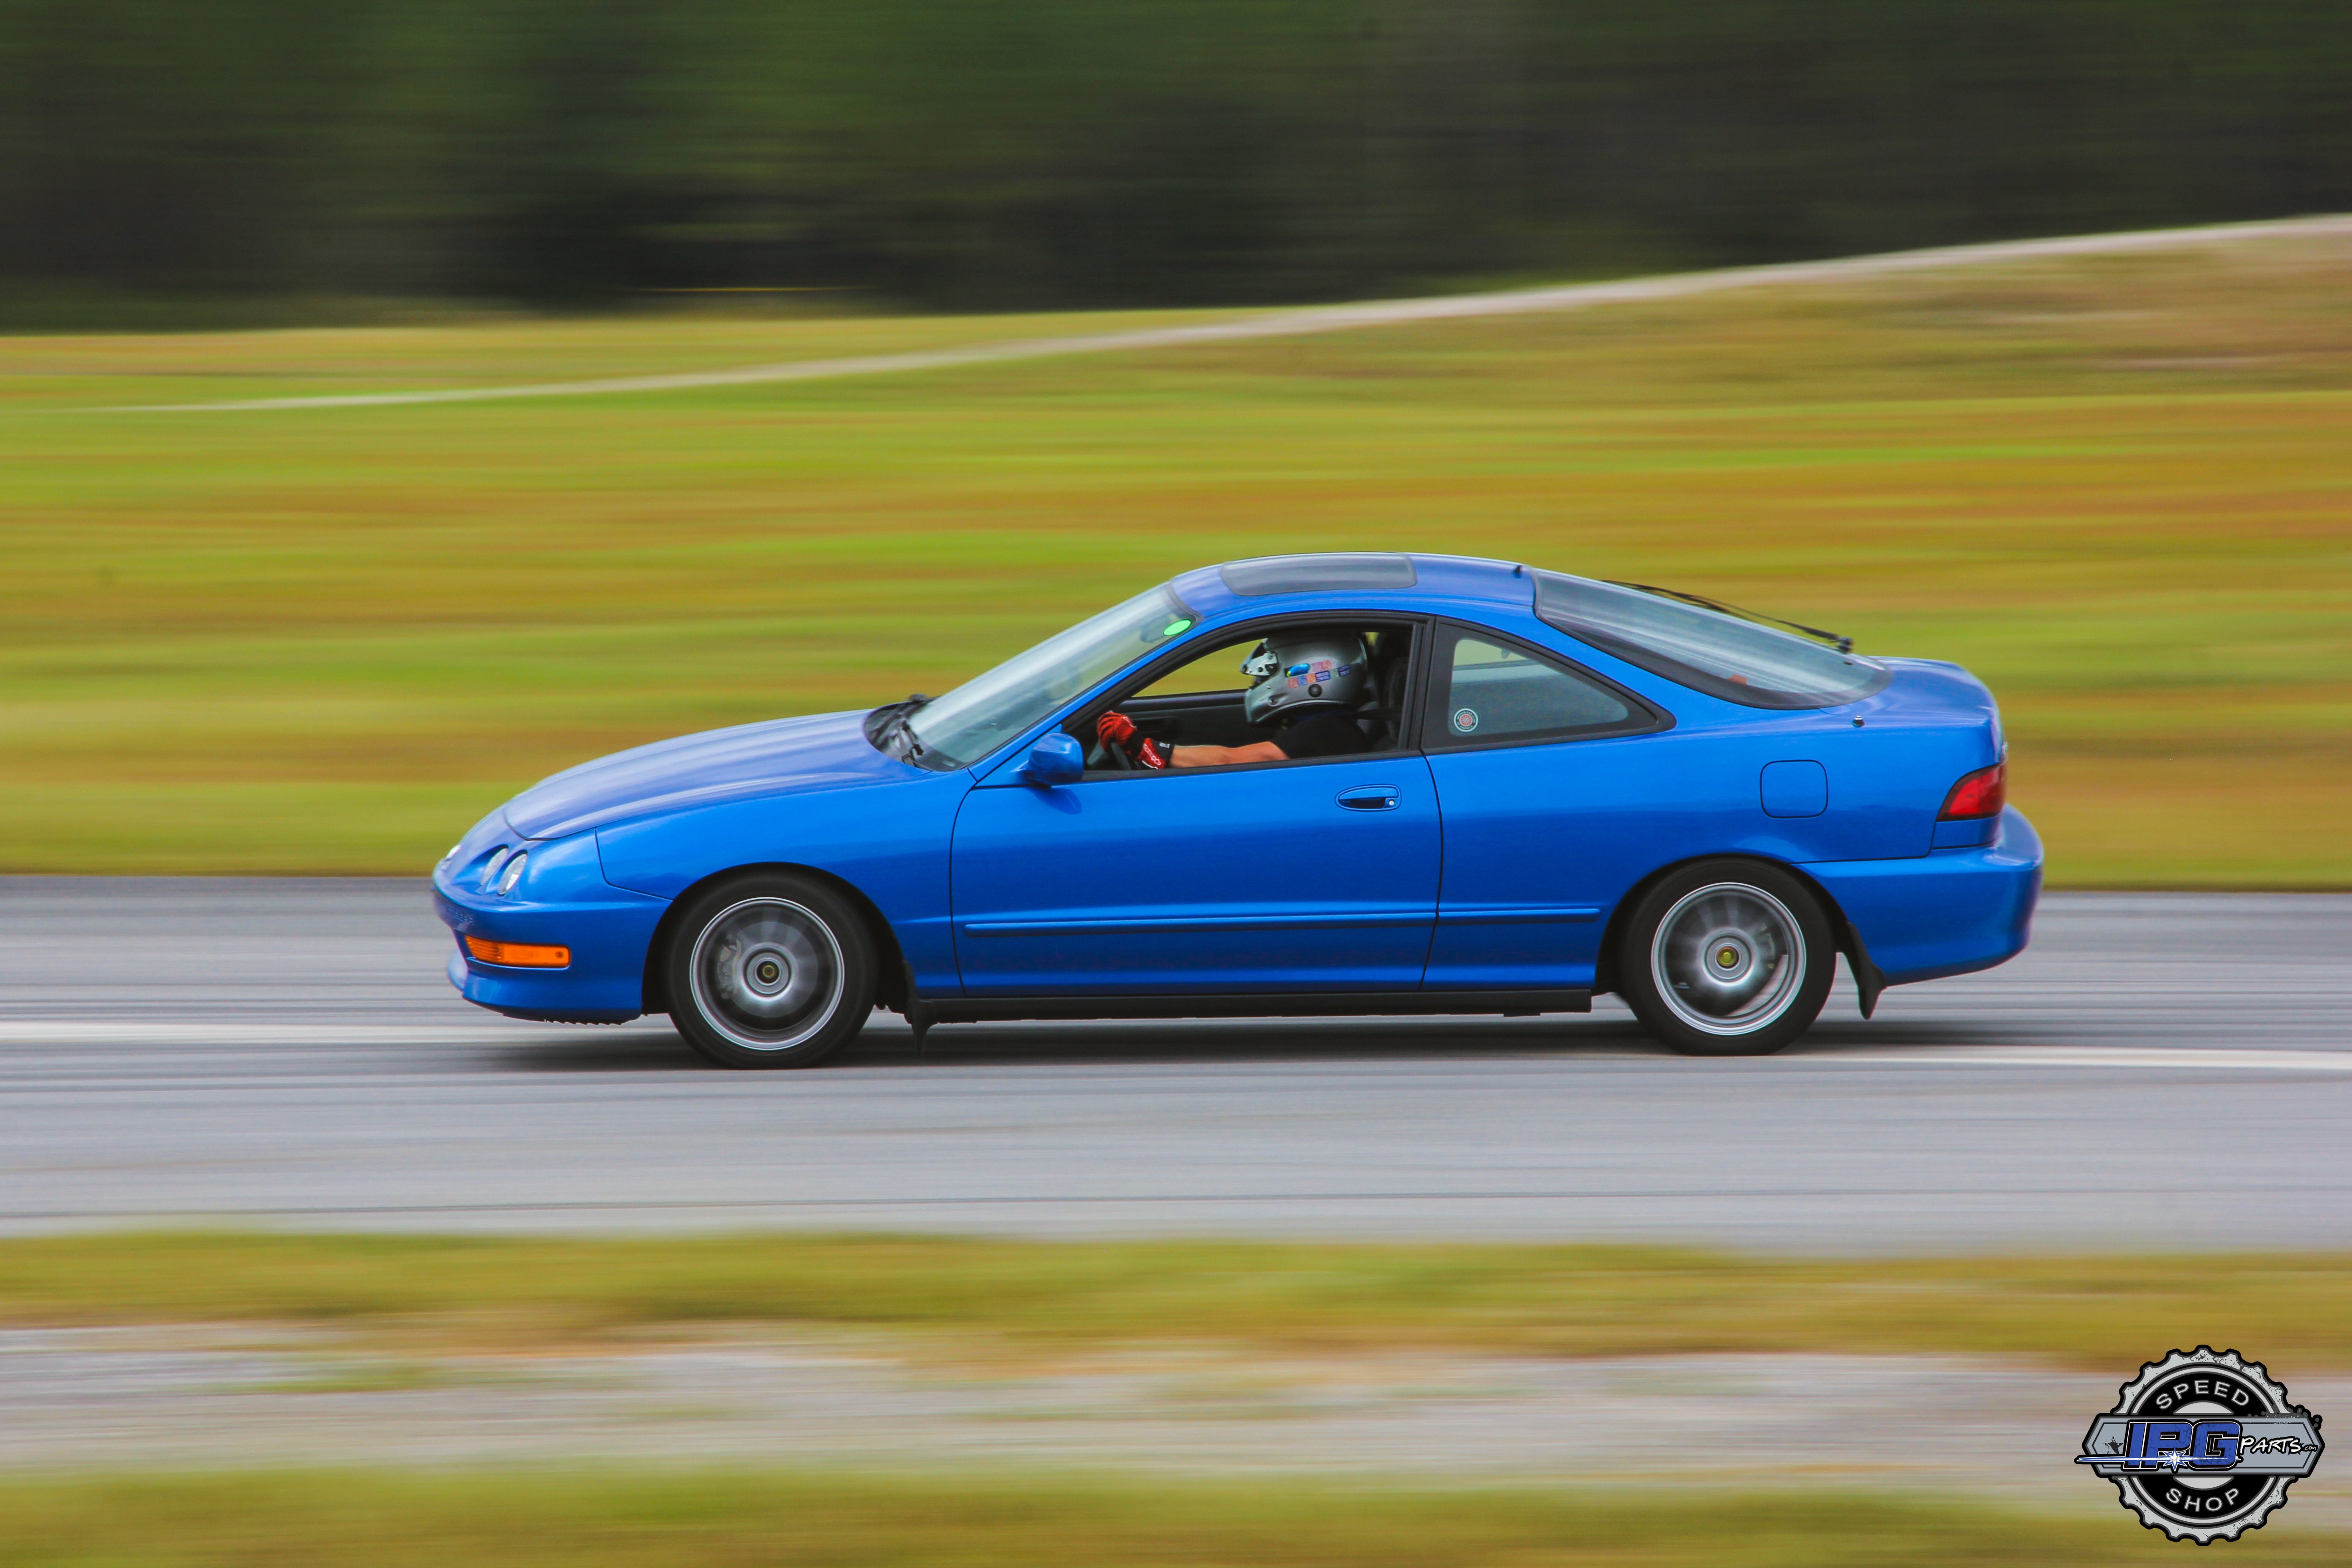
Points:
(1102, 754)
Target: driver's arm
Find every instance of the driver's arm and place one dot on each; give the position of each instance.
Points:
(1116, 729)
(1225, 756)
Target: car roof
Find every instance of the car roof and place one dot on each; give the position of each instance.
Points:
(1263, 582)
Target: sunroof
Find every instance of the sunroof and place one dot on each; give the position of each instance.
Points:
(1317, 574)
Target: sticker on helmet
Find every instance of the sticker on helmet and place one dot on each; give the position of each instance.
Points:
(1466, 719)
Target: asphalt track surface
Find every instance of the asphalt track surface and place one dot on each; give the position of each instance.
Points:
(2159, 1071)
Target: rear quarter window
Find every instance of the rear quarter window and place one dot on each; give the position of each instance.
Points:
(1489, 693)
(1708, 651)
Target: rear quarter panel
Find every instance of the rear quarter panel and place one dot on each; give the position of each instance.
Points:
(1889, 759)
(1549, 830)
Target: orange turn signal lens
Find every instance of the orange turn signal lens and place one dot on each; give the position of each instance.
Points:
(518, 955)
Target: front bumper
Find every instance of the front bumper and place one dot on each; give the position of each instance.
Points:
(563, 900)
(1949, 912)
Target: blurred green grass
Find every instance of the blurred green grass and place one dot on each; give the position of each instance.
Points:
(327, 640)
(1023, 1300)
(592, 1519)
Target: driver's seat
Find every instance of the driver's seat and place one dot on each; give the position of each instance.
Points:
(1381, 718)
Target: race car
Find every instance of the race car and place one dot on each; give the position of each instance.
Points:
(1349, 784)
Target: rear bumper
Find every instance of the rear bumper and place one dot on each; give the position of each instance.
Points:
(1949, 912)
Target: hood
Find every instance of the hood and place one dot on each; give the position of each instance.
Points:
(781, 756)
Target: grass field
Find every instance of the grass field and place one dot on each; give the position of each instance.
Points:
(1025, 1299)
(958, 1306)
(327, 640)
(807, 1520)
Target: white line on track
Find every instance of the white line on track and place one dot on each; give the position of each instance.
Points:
(2105, 1056)
(1320, 319)
(126, 1032)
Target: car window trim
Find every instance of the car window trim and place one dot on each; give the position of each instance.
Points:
(1408, 718)
(1643, 717)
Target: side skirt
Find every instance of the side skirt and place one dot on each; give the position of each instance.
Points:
(1265, 1005)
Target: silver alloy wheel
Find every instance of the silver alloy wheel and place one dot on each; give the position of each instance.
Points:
(1728, 959)
(767, 974)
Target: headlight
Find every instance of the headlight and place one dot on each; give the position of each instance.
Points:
(491, 868)
(512, 874)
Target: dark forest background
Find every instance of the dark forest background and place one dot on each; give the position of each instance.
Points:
(1043, 153)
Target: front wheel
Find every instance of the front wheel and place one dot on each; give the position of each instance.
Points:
(1728, 958)
(769, 972)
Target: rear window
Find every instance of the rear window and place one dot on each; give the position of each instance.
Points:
(1720, 655)
(1317, 574)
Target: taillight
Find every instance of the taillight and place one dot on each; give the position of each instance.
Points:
(1980, 794)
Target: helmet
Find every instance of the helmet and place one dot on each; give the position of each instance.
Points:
(1304, 672)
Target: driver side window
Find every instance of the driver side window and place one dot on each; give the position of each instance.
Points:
(1204, 709)
(1218, 670)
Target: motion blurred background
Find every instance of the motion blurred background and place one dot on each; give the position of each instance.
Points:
(327, 640)
(1054, 153)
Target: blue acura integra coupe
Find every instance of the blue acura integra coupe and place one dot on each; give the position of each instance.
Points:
(1481, 788)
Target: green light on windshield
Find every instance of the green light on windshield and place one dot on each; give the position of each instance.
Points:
(1172, 628)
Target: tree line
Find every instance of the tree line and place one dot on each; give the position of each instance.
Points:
(989, 154)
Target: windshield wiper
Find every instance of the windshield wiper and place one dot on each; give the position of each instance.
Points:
(1842, 643)
(887, 728)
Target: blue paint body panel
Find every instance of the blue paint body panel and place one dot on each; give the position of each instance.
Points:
(1967, 835)
(1215, 880)
(563, 900)
(1950, 913)
(1498, 866)
(886, 836)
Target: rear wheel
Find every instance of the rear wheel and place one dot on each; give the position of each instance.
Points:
(769, 972)
(1728, 958)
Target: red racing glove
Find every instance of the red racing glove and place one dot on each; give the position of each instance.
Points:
(1118, 730)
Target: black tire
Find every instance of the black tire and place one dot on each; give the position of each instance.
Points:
(772, 969)
(1728, 958)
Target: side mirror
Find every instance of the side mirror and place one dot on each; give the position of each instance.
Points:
(1055, 759)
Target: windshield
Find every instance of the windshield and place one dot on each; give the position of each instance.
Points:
(1720, 655)
(982, 714)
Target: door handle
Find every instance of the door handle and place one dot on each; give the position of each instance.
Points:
(1369, 798)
